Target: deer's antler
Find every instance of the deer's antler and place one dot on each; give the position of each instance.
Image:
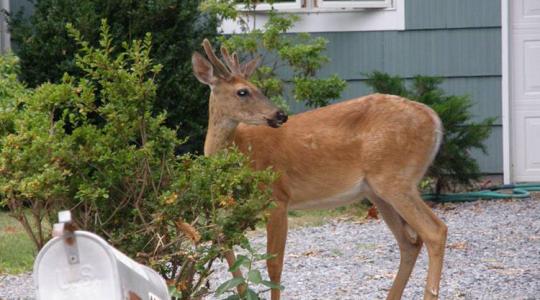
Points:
(216, 62)
(232, 64)
(231, 61)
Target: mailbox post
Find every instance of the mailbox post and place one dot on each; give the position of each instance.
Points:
(77, 264)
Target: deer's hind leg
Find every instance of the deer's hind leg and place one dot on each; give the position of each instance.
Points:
(406, 201)
(408, 241)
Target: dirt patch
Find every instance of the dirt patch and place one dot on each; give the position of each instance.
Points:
(10, 230)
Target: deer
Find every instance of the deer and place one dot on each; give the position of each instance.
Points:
(377, 147)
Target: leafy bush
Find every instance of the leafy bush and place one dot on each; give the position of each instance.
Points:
(211, 205)
(454, 163)
(11, 91)
(253, 277)
(177, 29)
(92, 144)
(289, 59)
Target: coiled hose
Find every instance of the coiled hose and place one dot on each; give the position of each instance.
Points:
(517, 191)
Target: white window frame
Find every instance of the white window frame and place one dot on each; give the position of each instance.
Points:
(320, 5)
(354, 4)
(5, 39)
(287, 6)
(316, 19)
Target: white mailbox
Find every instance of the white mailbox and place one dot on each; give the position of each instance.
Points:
(81, 265)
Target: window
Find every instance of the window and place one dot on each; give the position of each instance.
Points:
(331, 15)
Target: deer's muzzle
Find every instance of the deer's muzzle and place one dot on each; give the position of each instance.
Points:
(278, 120)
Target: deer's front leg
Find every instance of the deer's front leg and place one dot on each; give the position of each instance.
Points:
(276, 229)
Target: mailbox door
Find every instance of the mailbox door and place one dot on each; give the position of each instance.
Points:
(93, 277)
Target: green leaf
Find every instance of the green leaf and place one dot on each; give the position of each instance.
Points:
(174, 292)
(233, 297)
(265, 256)
(229, 284)
(254, 276)
(240, 260)
(251, 295)
(272, 285)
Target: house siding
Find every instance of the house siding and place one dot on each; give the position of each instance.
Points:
(24, 6)
(441, 14)
(458, 40)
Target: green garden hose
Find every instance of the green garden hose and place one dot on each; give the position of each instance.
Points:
(517, 191)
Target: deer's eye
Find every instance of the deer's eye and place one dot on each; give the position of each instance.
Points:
(242, 92)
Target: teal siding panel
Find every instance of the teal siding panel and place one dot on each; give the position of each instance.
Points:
(444, 53)
(356, 89)
(485, 93)
(26, 6)
(425, 14)
(492, 161)
(436, 14)
(353, 53)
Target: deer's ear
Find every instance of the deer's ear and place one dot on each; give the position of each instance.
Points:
(250, 67)
(202, 69)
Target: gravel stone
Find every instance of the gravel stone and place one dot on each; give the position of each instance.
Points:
(493, 252)
(16, 286)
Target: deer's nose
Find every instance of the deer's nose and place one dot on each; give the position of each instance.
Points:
(278, 120)
(281, 116)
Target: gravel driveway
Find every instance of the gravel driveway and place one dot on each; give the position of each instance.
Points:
(493, 252)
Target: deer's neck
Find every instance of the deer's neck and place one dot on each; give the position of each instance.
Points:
(220, 130)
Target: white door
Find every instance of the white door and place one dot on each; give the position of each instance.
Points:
(524, 70)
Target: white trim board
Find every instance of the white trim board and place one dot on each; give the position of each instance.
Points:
(321, 20)
(505, 86)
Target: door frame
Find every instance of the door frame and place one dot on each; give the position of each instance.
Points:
(505, 91)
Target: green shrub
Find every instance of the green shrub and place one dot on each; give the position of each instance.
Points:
(91, 144)
(46, 51)
(290, 61)
(454, 163)
(11, 91)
